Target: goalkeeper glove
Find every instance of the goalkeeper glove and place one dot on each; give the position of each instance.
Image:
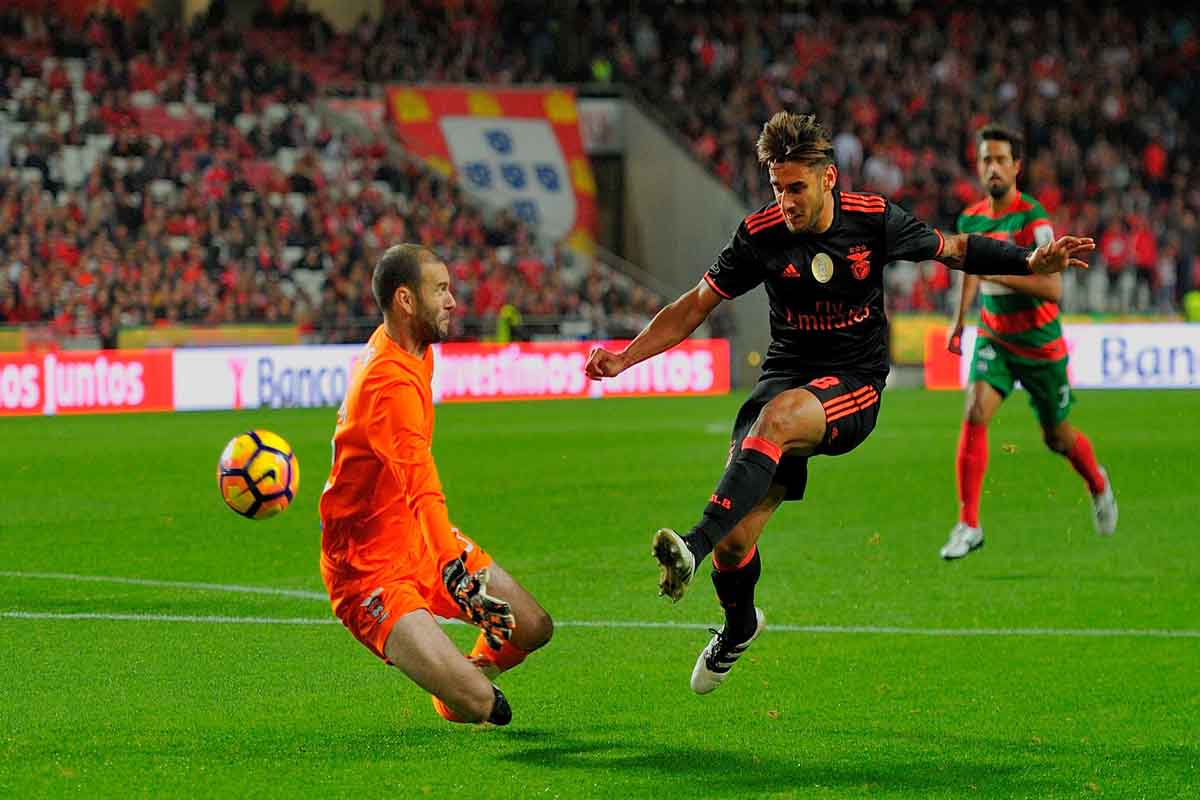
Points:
(469, 591)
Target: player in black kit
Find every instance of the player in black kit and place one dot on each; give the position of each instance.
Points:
(820, 253)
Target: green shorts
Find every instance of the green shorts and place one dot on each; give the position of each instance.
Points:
(1046, 381)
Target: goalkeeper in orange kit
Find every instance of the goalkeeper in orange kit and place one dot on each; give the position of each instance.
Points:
(390, 558)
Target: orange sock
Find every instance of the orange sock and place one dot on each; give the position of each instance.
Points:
(444, 711)
(490, 662)
(504, 659)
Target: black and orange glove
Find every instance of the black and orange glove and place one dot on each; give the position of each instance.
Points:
(469, 591)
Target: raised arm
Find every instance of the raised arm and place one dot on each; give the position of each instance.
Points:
(669, 327)
(910, 239)
(979, 255)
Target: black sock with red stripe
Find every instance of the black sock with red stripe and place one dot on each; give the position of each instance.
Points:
(746, 481)
(735, 589)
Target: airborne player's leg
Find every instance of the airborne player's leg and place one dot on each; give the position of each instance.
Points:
(846, 410)
(790, 419)
(678, 559)
(736, 569)
(778, 415)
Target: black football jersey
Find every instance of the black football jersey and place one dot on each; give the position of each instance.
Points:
(826, 290)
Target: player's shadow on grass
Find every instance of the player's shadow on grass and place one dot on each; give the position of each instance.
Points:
(745, 770)
(1005, 770)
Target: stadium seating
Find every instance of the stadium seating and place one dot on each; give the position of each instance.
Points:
(249, 208)
(902, 89)
(110, 150)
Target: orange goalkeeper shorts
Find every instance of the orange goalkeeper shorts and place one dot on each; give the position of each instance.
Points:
(369, 605)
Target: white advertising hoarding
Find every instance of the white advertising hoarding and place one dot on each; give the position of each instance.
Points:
(263, 377)
(313, 376)
(1146, 356)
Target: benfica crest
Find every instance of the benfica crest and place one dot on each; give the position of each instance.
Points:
(860, 263)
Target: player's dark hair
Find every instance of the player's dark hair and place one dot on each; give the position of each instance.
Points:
(794, 137)
(400, 265)
(998, 133)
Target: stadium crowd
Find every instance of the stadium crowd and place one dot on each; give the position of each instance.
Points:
(1109, 102)
(151, 173)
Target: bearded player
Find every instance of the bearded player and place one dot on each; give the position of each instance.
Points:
(1020, 339)
(390, 557)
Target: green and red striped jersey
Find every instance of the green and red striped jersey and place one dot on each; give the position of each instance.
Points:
(1026, 326)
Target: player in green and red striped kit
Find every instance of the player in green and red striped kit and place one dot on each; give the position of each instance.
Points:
(1020, 338)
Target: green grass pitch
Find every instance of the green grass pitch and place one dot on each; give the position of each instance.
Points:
(1025, 670)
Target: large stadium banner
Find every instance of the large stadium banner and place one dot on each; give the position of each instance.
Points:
(1147, 356)
(85, 382)
(515, 148)
(293, 377)
(193, 379)
(554, 370)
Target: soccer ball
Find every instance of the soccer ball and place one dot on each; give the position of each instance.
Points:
(258, 474)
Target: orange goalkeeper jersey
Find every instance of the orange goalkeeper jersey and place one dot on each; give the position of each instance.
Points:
(382, 507)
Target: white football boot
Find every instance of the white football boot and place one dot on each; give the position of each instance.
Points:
(963, 539)
(719, 656)
(1104, 508)
(675, 561)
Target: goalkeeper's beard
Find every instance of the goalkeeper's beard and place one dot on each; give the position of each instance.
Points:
(429, 330)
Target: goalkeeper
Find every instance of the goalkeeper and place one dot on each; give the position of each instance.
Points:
(389, 555)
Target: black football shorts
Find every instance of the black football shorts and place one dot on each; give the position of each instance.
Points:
(851, 409)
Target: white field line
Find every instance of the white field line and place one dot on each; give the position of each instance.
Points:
(207, 587)
(1149, 633)
(209, 618)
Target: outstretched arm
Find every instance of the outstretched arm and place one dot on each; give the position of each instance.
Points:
(979, 255)
(669, 327)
